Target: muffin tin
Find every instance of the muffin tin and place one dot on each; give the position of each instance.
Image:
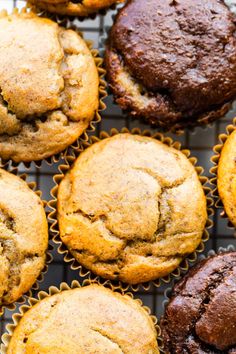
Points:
(200, 142)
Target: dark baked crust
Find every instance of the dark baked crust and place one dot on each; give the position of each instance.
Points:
(181, 54)
(200, 317)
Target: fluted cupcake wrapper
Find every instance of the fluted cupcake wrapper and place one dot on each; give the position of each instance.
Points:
(97, 117)
(49, 257)
(59, 17)
(68, 257)
(178, 129)
(214, 170)
(31, 301)
(210, 253)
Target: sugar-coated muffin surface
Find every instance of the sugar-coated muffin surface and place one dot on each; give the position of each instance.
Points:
(201, 317)
(73, 7)
(226, 177)
(173, 62)
(131, 208)
(86, 320)
(48, 87)
(23, 237)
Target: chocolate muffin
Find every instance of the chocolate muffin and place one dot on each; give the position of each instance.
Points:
(173, 63)
(226, 177)
(48, 87)
(131, 208)
(86, 320)
(73, 7)
(23, 237)
(201, 317)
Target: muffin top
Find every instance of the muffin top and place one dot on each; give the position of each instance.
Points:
(201, 317)
(23, 237)
(226, 179)
(48, 87)
(73, 7)
(90, 319)
(173, 62)
(131, 208)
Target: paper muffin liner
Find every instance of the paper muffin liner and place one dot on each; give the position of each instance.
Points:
(210, 253)
(215, 160)
(49, 257)
(178, 128)
(68, 257)
(59, 17)
(31, 301)
(97, 116)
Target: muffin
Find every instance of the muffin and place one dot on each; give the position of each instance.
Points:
(73, 7)
(90, 319)
(173, 63)
(49, 87)
(23, 237)
(226, 177)
(201, 317)
(131, 208)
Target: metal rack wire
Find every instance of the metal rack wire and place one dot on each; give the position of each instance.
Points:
(200, 143)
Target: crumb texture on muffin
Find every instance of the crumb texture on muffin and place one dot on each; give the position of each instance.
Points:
(90, 319)
(226, 177)
(73, 7)
(173, 62)
(48, 87)
(23, 237)
(131, 208)
(201, 317)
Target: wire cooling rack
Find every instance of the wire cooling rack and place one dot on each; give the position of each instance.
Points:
(200, 142)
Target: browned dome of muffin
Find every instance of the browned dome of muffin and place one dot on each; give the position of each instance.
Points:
(73, 7)
(23, 237)
(226, 177)
(131, 208)
(87, 320)
(49, 87)
(200, 317)
(173, 62)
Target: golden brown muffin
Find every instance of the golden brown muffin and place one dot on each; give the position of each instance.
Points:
(73, 7)
(48, 87)
(90, 319)
(226, 177)
(23, 237)
(131, 208)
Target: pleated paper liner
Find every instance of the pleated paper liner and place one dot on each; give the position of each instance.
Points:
(210, 253)
(60, 17)
(54, 228)
(177, 129)
(97, 117)
(31, 301)
(215, 160)
(49, 257)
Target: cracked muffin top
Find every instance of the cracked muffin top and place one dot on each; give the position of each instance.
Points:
(201, 317)
(131, 208)
(23, 237)
(48, 87)
(90, 319)
(73, 7)
(173, 62)
(226, 177)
